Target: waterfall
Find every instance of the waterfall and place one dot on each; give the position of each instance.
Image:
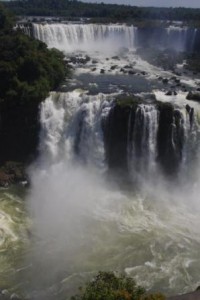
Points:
(177, 37)
(71, 127)
(25, 27)
(70, 37)
(191, 136)
(194, 37)
(101, 37)
(142, 140)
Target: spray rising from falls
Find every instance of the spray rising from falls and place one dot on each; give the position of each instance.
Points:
(70, 37)
(178, 37)
(77, 126)
(95, 37)
(82, 216)
(72, 127)
(88, 225)
(142, 140)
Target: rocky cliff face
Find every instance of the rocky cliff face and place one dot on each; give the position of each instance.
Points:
(19, 131)
(140, 136)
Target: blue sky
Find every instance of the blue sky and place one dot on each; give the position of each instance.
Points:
(162, 3)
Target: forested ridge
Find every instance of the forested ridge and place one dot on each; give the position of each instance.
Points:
(28, 71)
(73, 9)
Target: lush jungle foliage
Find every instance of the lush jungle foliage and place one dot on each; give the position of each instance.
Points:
(108, 286)
(74, 8)
(28, 71)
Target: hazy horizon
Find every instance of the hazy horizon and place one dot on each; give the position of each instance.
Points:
(149, 3)
(155, 3)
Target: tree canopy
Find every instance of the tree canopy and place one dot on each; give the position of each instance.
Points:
(74, 8)
(28, 71)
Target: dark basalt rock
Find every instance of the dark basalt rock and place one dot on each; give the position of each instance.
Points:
(116, 57)
(79, 60)
(115, 129)
(121, 121)
(127, 67)
(173, 78)
(19, 128)
(165, 80)
(102, 71)
(190, 111)
(177, 80)
(131, 72)
(169, 93)
(170, 138)
(123, 71)
(113, 67)
(195, 96)
(11, 173)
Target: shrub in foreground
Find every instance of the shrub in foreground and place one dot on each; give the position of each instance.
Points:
(108, 286)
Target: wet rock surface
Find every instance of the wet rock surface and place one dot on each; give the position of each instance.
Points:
(11, 173)
(195, 96)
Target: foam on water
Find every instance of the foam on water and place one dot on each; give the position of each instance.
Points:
(82, 221)
(88, 224)
(13, 235)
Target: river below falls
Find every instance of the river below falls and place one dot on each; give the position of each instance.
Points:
(157, 245)
(73, 222)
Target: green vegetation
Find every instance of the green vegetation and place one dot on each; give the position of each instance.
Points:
(108, 286)
(126, 101)
(74, 9)
(28, 71)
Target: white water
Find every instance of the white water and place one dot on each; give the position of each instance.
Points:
(103, 38)
(71, 37)
(142, 145)
(71, 127)
(177, 37)
(84, 222)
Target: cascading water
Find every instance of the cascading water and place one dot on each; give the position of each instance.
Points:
(85, 221)
(177, 37)
(189, 130)
(70, 37)
(71, 125)
(142, 140)
(89, 225)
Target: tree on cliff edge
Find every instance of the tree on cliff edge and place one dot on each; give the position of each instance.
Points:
(28, 71)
